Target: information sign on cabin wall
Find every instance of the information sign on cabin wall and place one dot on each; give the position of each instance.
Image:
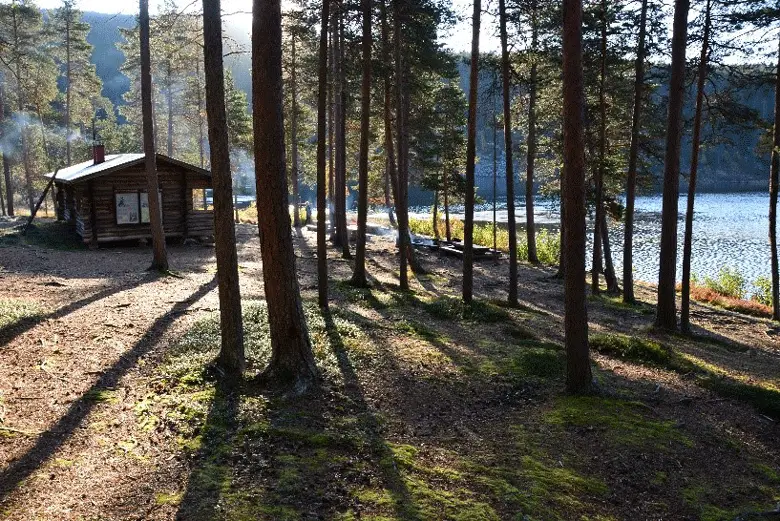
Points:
(133, 207)
(144, 198)
(127, 208)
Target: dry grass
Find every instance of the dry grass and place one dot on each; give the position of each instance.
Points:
(710, 296)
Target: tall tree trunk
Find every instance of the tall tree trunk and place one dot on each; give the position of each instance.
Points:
(47, 161)
(359, 275)
(633, 153)
(600, 168)
(435, 214)
(331, 123)
(342, 236)
(231, 355)
(294, 138)
(666, 317)
(201, 151)
(322, 95)
(530, 226)
(400, 207)
(774, 184)
(67, 83)
(609, 267)
(169, 99)
(160, 258)
(2, 198)
(685, 310)
(578, 371)
(447, 228)
(510, 174)
(392, 172)
(495, 176)
(9, 187)
(22, 124)
(471, 141)
(292, 362)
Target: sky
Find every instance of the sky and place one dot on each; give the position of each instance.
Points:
(458, 39)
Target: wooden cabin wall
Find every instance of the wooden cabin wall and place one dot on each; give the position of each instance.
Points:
(179, 219)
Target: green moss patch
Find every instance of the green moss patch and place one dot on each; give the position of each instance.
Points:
(620, 421)
(632, 348)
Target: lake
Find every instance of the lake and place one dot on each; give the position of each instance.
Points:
(729, 230)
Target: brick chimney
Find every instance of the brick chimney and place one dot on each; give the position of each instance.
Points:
(98, 153)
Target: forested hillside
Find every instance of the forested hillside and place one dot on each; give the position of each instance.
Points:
(733, 162)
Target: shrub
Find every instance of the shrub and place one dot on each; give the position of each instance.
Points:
(729, 283)
(763, 291)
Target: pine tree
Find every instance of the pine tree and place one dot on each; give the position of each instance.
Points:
(23, 62)
(696, 143)
(578, 371)
(231, 355)
(510, 175)
(633, 154)
(468, 226)
(666, 316)
(292, 361)
(160, 259)
(73, 54)
(322, 94)
(359, 274)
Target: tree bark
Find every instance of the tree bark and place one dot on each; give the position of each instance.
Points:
(392, 172)
(471, 140)
(9, 187)
(201, 151)
(495, 175)
(331, 132)
(609, 267)
(169, 99)
(510, 174)
(294, 137)
(578, 371)
(292, 362)
(400, 207)
(340, 182)
(231, 355)
(600, 168)
(530, 227)
(666, 315)
(322, 109)
(633, 153)
(160, 255)
(359, 275)
(685, 310)
(774, 184)
(435, 214)
(68, 15)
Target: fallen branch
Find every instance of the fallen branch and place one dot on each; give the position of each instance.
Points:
(40, 201)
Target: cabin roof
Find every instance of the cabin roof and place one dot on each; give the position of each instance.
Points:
(115, 162)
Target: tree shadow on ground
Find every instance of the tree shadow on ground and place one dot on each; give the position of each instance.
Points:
(15, 329)
(293, 457)
(53, 438)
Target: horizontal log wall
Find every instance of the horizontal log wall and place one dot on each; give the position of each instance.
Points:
(179, 217)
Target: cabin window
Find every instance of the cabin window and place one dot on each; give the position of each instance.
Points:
(133, 207)
(201, 200)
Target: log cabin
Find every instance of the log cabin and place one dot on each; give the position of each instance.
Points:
(106, 198)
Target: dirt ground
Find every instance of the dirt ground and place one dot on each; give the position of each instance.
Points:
(76, 372)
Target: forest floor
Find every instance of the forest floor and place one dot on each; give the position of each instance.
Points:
(426, 409)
